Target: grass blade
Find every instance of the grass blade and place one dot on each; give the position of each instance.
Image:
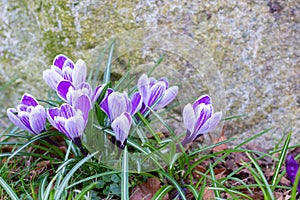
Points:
(281, 159)
(176, 185)
(193, 190)
(85, 190)
(160, 194)
(64, 182)
(262, 177)
(214, 181)
(124, 176)
(8, 189)
(106, 76)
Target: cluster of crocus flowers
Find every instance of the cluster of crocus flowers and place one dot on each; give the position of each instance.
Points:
(292, 168)
(68, 80)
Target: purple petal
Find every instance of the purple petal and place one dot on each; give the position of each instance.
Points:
(165, 79)
(152, 81)
(136, 101)
(84, 104)
(121, 126)
(144, 89)
(68, 64)
(189, 118)
(24, 118)
(214, 120)
(97, 93)
(128, 105)
(201, 114)
(22, 107)
(63, 88)
(66, 73)
(60, 123)
(66, 111)
(59, 60)
(14, 118)
(104, 103)
(51, 114)
(75, 126)
(87, 88)
(169, 95)
(116, 105)
(203, 99)
(79, 72)
(291, 168)
(37, 119)
(29, 100)
(156, 92)
(52, 78)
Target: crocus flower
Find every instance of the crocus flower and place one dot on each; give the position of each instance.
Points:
(29, 115)
(155, 91)
(71, 120)
(199, 118)
(64, 69)
(120, 109)
(67, 91)
(291, 169)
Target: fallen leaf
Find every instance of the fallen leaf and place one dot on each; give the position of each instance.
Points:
(146, 190)
(220, 139)
(208, 194)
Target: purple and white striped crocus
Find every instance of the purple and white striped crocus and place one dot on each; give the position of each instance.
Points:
(199, 118)
(64, 69)
(155, 91)
(120, 108)
(29, 115)
(291, 169)
(67, 91)
(71, 120)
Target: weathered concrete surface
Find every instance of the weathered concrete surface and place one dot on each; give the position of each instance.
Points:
(254, 44)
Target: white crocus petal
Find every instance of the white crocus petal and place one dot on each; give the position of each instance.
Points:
(37, 119)
(143, 87)
(121, 126)
(169, 95)
(79, 72)
(189, 118)
(136, 102)
(60, 123)
(52, 78)
(11, 113)
(214, 120)
(116, 105)
(156, 93)
(84, 104)
(75, 125)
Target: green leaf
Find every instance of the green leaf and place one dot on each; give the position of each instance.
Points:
(174, 182)
(8, 190)
(85, 190)
(124, 176)
(106, 76)
(65, 181)
(193, 190)
(161, 193)
(281, 160)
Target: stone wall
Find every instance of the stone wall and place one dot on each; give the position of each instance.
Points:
(251, 48)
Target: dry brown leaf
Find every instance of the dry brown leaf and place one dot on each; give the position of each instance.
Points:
(146, 190)
(220, 139)
(208, 194)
